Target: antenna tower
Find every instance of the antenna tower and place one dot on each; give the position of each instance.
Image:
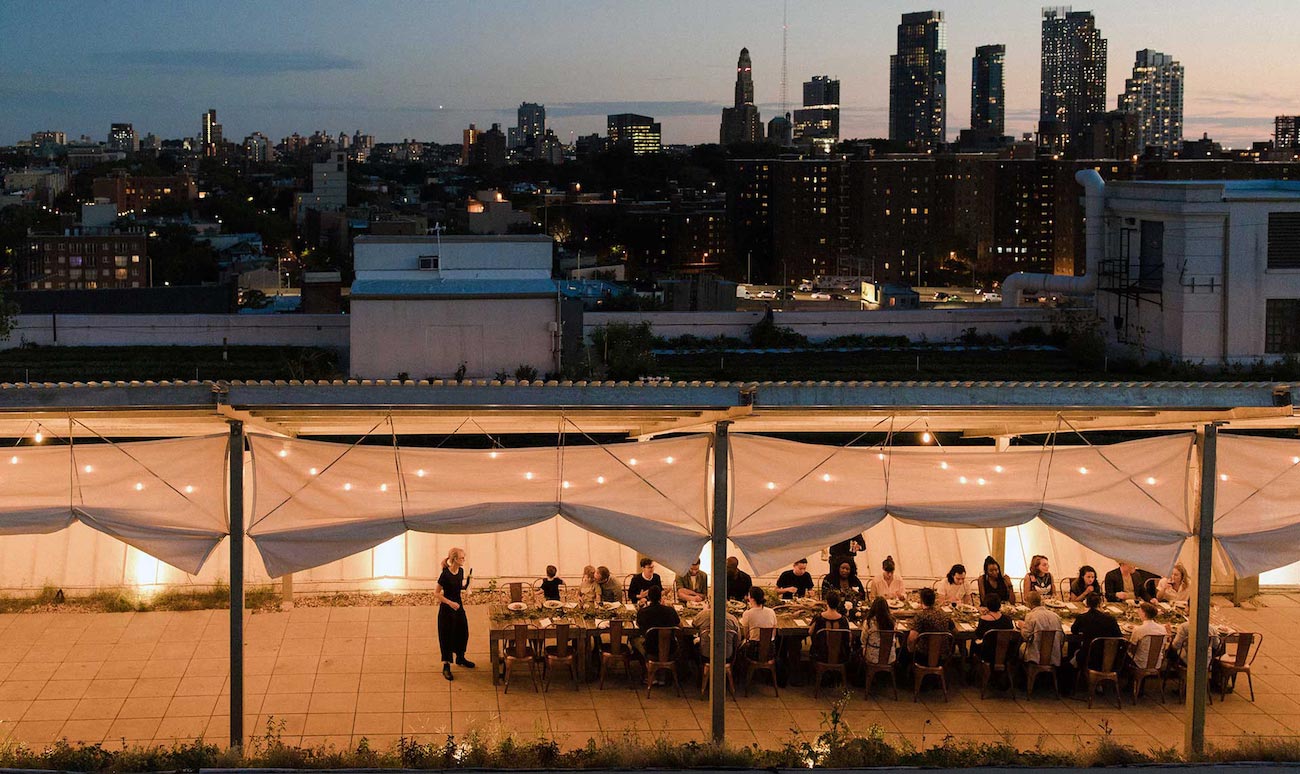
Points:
(785, 27)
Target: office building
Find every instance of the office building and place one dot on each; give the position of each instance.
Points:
(741, 122)
(530, 125)
(1286, 132)
(640, 133)
(918, 81)
(780, 131)
(122, 137)
(258, 148)
(1155, 96)
(1073, 81)
(817, 123)
(988, 90)
(210, 133)
(49, 138)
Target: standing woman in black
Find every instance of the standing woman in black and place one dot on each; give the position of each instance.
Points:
(453, 626)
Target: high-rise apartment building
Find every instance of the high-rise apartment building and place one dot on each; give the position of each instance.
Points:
(530, 124)
(1155, 95)
(741, 122)
(988, 106)
(258, 148)
(1073, 81)
(640, 133)
(468, 139)
(329, 187)
(122, 137)
(817, 123)
(918, 81)
(49, 138)
(1286, 132)
(210, 133)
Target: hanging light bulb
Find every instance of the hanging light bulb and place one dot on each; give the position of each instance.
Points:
(89, 469)
(1223, 476)
(284, 453)
(943, 466)
(189, 489)
(311, 472)
(926, 437)
(1151, 480)
(600, 479)
(997, 468)
(39, 437)
(383, 487)
(632, 462)
(826, 477)
(961, 480)
(1083, 471)
(492, 455)
(420, 472)
(771, 485)
(668, 460)
(139, 486)
(565, 484)
(529, 475)
(347, 487)
(880, 455)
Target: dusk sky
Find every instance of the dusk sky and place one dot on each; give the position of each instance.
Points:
(426, 70)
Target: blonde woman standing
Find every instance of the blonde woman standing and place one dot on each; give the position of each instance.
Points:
(453, 626)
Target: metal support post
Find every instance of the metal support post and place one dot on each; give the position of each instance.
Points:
(718, 597)
(1198, 640)
(235, 509)
(999, 543)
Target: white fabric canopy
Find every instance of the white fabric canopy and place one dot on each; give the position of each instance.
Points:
(1126, 501)
(317, 502)
(166, 498)
(1257, 502)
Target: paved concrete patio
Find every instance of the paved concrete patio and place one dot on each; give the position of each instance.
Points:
(335, 675)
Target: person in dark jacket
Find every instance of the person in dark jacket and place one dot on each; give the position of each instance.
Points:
(738, 581)
(654, 615)
(993, 583)
(1127, 582)
(1092, 624)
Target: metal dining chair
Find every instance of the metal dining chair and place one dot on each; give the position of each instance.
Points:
(520, 650)
(933, 649)
(833, 656)
(1248, 645)
(878, 656)
(1109, 662)
(560, 655)
(661, 644)
(1149, 666)
(1048, 645)
(617, 651)
(732, 647)
(764, 659)
(1006, 645)
(516, 590)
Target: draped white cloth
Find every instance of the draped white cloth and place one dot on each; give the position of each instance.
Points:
(166, 498)
(1126, 501)
(1257, 502)
(317, 502)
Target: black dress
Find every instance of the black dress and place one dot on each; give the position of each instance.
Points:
(453, 626)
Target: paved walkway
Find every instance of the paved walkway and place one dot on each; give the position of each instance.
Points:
(335, 675)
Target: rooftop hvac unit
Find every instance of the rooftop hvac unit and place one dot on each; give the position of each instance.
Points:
(428, 263)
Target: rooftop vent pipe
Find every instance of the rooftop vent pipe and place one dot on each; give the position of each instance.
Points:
(1094, 206)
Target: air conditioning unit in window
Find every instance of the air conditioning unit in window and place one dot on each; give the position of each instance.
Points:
(428, 263)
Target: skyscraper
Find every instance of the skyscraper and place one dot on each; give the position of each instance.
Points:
(988, 90)
(468, 138)
(1286, 132)
(918, 88)
(641, 133)
(530, 124)
(817, 124)
(1155, 95)
(122, 137)
(210, 134)
(741, 122)
(1073, 83)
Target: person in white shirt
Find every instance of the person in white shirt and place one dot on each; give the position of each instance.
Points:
(1177, 587)
(756, 617)
(1040, 621)
(887, 584)
(953, 589)
(1148, 627)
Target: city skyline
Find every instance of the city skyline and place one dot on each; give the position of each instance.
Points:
(387, 72)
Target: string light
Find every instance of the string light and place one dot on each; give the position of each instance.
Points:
(600, 479)
(632, 462)
(1151, 480)
(311, 472)
(771, 485)
(880, 456)
(565, 484)
(1223, 476)
(88, 469)
(492, 455)
(997, 468)
(420, 472)
(139, 486)
(284, 453)
(1083, 471)
(943, 466)
(39, 437)
(189, 489)
(13, 460)
(1295, 460)
(347, 487)
(980, 481)
(962, 479)
(826, 477)
(926, 437)
(668, 460)
(529, 475)
(383, 487)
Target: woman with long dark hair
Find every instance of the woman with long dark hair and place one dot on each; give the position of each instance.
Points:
(453, 626)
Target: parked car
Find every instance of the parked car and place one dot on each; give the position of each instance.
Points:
(820, 296)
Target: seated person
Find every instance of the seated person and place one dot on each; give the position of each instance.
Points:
(1127, 583)
(1178, 649)
(758, 616)
(1085, 584)
(952, 588)
(830, 618)
(880, 627)
(930, 619)
(703, 623)
(638, 588)
(738, 581)
(589, 588)
(1092, 624)
(796, 581)
(694, 585)
(1138, 645)
(844, 580)
(1177, 587)
(1039, 578)
(990, 620)
(1039, 622)
(552, 583)
(993, 582)
(655, 614)
(610, 591)
(887, 584)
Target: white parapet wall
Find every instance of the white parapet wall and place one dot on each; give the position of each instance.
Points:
(915, 324)
(329, 331)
